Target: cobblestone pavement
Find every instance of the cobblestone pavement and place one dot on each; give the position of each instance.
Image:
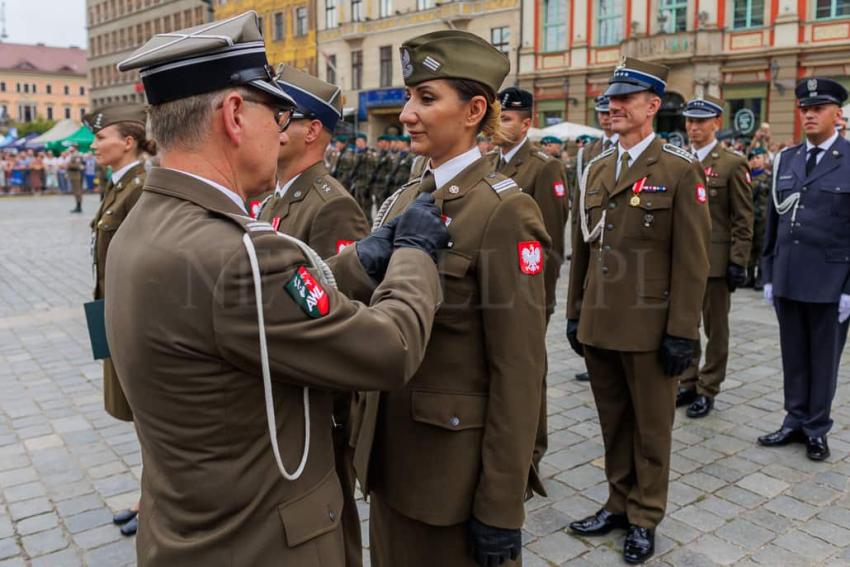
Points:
(65, 465)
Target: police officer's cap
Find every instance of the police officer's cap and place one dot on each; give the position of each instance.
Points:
(603, 104)
(634, 76)
(314, 98)
(205, 58)
(704, 107)
(100, 118)
(513, 98)
(551, 140)
(453, 54)
(816, 90)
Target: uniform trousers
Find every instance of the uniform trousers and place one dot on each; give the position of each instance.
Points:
(636, 402)
(715, 323)
(344, 463)
(396, 540)
(811, 340)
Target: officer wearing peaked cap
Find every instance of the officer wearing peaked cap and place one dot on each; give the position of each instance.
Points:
(229, 337)
(731, 205)
(312, 206)
(637, 278)
(446, 460)
(806, 265)
(113, 127)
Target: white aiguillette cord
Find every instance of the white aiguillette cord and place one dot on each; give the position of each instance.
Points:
(326, 276)
(792, 201)
(589, 235)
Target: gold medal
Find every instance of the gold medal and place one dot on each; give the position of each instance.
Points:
(635, 201)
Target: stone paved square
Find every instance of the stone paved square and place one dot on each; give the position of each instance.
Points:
(65, 465)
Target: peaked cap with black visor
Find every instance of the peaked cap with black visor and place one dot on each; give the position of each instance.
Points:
(634, 76)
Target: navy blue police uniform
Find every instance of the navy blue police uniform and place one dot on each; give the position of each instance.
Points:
(807, 262)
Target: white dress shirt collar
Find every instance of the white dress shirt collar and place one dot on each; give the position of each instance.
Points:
(507, 157)
(229, 193)
(281, 190)
(613, 139)
(636, 150)
(454, 166)
(117, 175)
(824, 146)
(703, 152)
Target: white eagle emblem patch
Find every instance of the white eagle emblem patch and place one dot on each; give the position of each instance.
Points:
(530, 257)
(406, 66)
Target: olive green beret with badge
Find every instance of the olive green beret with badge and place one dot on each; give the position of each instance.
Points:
(206, 58)
(453, 54)
(100, 118)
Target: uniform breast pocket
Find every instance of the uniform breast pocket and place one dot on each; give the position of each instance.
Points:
(837, 196)
(458, 284)
(593, 207)
(716, 187)
(784, 188)
(652, 218)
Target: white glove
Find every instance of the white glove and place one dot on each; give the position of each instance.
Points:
(843, 308)
(768, 294)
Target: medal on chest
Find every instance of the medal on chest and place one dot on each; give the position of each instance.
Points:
(637, 188)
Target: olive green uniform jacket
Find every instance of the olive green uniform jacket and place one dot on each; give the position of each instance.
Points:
(117, 201)
(457, 441)
(183, 330)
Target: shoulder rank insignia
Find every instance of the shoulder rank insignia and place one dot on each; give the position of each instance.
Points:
(677, 151)
(503, 185)
(543, 155)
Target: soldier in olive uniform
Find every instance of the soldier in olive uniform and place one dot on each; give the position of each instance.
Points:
(313, 207)
(220, 326)
(403, 166)
(418, 167)
(637, 279)
(361, 174)
(731, 205)
(333, 153)
(74, 168)
(762, 180)
(119, 142)
(346, 160)
(379, 187)
(446, 460)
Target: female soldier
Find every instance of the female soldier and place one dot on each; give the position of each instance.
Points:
(447, 459)
(119, 143)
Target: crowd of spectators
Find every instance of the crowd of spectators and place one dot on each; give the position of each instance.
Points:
(36, 172)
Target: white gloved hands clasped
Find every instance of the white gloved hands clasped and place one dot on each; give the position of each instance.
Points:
(843, 308)
(768, 294)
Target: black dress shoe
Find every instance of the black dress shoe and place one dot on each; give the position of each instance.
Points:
(700, 407)
(124, 516)
(816, 448)
(583, 376)
(639, 545)
(600, 523)
(782, 436)
(130, 527)
(685, 396)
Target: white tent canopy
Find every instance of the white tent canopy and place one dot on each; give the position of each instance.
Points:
(60, 131)
(567, 131)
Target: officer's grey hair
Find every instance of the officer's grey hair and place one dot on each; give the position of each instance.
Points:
(185, 122)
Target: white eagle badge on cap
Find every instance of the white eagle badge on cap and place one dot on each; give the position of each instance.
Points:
(406, 67)
(812, 84)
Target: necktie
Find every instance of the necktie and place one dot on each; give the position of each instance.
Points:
(503, 163)
(624, 165)
(606, 144)
(427, 185)
(813, 159)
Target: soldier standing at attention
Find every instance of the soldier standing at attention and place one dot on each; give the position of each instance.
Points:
(730, 202)
(378, 186)
(119, 142)
(590, 151)
(446, 461)
(219, 325)
(332, 157)
(345, 162)
(74, 168)
(807, 265)
(637, 279)
(313, 207)
(404, 163)
(361, 174)
(762, 180)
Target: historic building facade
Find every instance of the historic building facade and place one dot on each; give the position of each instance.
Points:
(750, 52)
(288, 26)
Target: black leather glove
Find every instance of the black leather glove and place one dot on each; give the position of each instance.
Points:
(420, 226)
(491, 546)
(736, 276)
(676, 354)
(572, 336)
(374, 251)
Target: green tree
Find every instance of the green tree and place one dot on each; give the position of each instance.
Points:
(39, 126)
